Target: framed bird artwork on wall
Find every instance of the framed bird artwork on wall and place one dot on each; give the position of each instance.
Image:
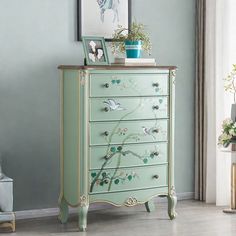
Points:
(101, 17)
(95, 50)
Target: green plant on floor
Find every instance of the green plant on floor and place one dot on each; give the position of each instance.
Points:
(135, 33)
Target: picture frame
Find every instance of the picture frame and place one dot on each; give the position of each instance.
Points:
(101, 17)
(95, 50)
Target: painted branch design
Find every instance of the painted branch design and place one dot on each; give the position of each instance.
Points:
(120, 177)
(104, 177)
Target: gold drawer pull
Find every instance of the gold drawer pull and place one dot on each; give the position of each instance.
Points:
(155, 131)
(156, 153)
(106, 109)
(106, 133)
(106, 85)
(155, 176)
(155, 107)
(155, 85)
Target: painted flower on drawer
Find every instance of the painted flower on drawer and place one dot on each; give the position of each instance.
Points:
(122, 85)
(122, 131)
(148, 154)
(116, 81)
(109, 177)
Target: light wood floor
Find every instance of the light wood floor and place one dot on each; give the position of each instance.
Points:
(194, 219)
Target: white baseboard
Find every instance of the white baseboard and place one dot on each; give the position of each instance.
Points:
(180, 197)
(185, 196)
(38, 213)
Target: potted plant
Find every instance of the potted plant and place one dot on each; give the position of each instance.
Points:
(131, 40)
(228, 134)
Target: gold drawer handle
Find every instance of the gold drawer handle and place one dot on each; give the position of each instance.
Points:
(156, 153)
(106, 109)
(155, 84)
(155, 131)
(106, 158)
(106, 85)
(155, 176)
(155, 107)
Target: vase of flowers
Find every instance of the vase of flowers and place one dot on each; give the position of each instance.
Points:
(228, 134)
(132, 41)
(230, 86)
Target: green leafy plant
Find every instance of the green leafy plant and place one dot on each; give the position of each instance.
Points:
(135, 33)
(230, 82)
(228, 133)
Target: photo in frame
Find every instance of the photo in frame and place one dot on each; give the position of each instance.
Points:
(101, 17)
(95, 50)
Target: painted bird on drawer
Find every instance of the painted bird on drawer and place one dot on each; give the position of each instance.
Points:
(109, 5)
(113, 105)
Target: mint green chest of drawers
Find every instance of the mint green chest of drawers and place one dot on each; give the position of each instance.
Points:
(117, 137)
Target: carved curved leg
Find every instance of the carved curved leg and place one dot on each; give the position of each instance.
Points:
(83, 211)
(150, 206)
(14, 226)
(172, 201)
(64, 211)
(14, 223)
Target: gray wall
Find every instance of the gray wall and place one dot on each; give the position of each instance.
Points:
(35, 37)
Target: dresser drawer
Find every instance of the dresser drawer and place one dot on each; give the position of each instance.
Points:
(128, 155)
(110, 180)
(128, 198)
(128, 108)
(122, 132)
(106, 85)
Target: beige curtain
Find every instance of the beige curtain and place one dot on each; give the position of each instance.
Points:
(213, 47)
(200, 121)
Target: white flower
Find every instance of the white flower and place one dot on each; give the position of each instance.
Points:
(226, 123)
(232, 132)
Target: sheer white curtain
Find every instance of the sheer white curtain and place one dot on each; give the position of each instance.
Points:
(220, 55)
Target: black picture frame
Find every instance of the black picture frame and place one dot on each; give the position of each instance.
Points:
(79, 19)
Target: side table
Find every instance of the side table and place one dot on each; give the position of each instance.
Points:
(232, 149)
(7, 216)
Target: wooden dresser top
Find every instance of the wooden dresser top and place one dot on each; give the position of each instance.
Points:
(81, 67)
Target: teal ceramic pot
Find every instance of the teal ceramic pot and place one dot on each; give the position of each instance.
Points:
(133, 49)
